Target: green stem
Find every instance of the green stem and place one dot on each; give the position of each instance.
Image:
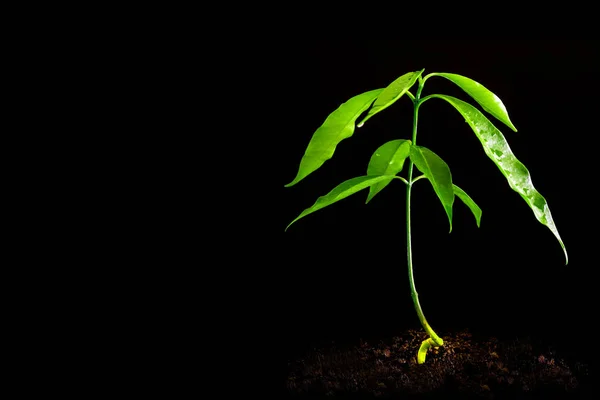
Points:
(434, 339)
(418, 177)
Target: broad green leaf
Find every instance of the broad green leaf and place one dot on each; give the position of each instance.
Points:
(388, 159)
(438, 173)
(342, 191)
(469, 203)
(338, 126)
(499, 152)
(393, 92)
(488, 100)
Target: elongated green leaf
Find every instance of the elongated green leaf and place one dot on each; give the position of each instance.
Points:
(438, 173)
(488, 100)
(393, 92)
(342, 191)
(388, 159)
(338, 126)
(499, 152)
(469, 203)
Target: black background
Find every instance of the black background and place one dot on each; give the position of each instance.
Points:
(340, 274)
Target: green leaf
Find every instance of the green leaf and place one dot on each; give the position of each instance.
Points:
(469, 203)
(499, 152)
(342, 191)
(393, 92)
(388, 159)
(438, 173)
(338, 126)
(488, 100)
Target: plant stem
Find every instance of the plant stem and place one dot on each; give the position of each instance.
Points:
(434, 339)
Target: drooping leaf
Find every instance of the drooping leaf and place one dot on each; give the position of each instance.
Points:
(388, 159)
(469, 203)
(517, 175)
(342, 191)
(393, 92)
(438, 173)
(338, 126)
(488, 100)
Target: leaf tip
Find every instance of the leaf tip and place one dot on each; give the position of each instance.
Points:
(296, 180)
(365, 119)
(510, 124)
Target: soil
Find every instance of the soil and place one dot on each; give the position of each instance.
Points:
(465, 367)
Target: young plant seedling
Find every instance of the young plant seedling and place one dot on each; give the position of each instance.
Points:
(388, 160)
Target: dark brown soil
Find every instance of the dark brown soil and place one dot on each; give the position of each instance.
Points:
(465, 367)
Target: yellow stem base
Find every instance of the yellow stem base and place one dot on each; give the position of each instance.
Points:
(427, 343)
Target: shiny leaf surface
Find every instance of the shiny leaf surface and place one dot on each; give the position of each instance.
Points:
(342, 191)
(392, 93)
(517, 175)
(338, 126)
(488, 100)
(388, 159)
(438, 173)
